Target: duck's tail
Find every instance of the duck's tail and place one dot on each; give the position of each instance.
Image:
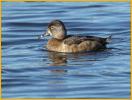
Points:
(109, 39)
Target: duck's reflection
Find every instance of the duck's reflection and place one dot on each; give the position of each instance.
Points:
(57, 59)
(60, 71)
(61, 59)
(74, 59)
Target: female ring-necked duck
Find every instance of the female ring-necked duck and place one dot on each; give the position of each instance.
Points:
(61, 42)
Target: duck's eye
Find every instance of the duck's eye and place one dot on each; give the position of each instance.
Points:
(52, 27)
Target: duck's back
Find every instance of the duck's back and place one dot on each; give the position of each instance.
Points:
(77, 44)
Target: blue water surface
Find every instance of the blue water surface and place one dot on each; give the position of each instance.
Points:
(30, 71)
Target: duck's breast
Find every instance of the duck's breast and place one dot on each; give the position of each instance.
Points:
(54, 45)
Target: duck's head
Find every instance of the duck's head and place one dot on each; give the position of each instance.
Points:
(56, 29)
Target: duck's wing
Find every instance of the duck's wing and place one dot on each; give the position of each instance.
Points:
(74, 40)
(101, 40)
(78, 39)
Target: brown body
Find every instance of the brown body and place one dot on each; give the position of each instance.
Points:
(61, 42)
(76, 44)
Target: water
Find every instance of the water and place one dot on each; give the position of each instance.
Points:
(30, 71)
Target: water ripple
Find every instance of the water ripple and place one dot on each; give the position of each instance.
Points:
(29, 70)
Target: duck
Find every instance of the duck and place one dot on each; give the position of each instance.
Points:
(61, 42)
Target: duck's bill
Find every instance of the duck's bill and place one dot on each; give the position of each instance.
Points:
(43, 35)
